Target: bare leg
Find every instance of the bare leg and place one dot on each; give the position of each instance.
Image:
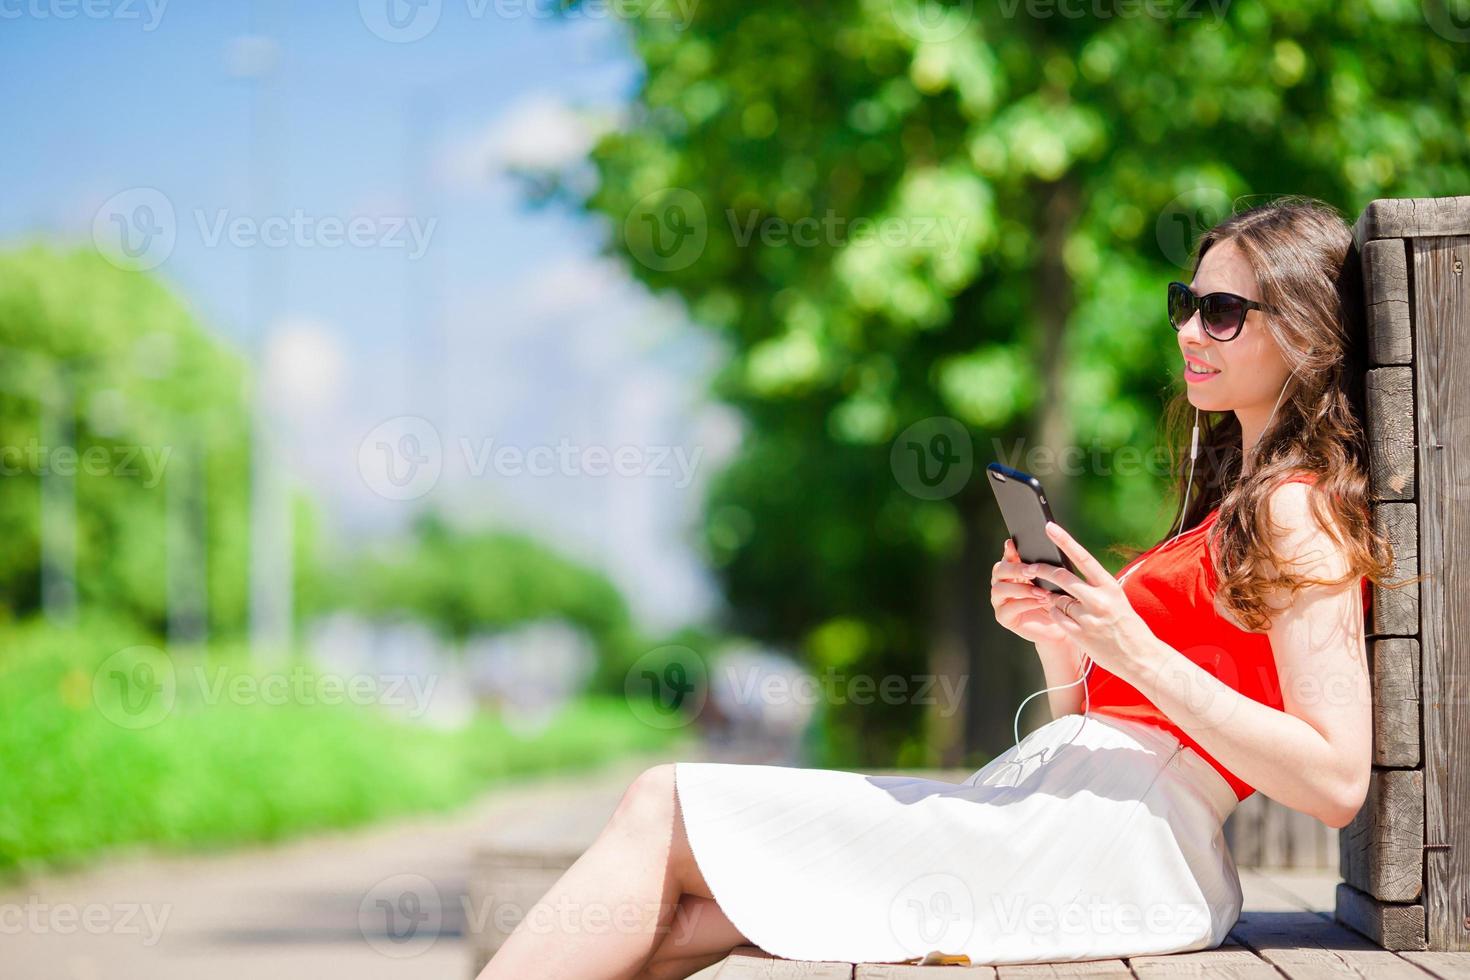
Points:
(611, 910)
(700, 935)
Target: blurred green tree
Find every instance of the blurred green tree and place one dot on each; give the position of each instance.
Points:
(109, 385)
(897, 210)
(463, 582)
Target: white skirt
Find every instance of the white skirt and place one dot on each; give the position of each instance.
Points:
(1096, 837)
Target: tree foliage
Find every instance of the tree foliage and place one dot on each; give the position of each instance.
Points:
(106, 375)
(1043, 169)
(465, 582)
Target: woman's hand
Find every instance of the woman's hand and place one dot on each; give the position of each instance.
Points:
(1019, 606)
(1095, 614)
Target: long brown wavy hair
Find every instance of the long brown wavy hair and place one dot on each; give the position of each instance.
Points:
(1308, 269)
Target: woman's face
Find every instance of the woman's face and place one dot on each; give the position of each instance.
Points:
(1251, 368)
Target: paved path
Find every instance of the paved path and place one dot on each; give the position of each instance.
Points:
(303, 910)
(309, 910)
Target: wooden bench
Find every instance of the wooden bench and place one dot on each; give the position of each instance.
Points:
(1268, 945)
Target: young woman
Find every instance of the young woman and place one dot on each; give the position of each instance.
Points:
(1228, 658)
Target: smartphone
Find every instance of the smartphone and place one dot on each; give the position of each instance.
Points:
(1024, 507)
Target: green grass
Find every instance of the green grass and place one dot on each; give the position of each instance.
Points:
(80, 775)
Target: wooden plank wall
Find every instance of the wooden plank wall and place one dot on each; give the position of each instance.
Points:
(1403, 857)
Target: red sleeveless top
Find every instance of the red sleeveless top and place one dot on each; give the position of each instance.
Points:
(1173, 593)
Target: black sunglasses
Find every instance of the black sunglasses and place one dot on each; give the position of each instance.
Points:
(1223, 314)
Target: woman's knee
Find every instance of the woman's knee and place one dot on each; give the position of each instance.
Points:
(648, 802)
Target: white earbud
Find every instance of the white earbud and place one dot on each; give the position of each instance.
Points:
(1189, 483)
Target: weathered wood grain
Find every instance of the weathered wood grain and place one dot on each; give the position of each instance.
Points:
(1446, 966)
(890, 971)
(1390, 429)
(1386, 288)
(1396, 610)
(1396, 732)
(1382, 849)
(1309, 944)
(1392, 926)
(1099, 969)
(1442, 358)
(1230, 959)
(752, 963)
(1410, 217)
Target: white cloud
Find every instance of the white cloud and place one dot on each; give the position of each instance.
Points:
(303, 364)
(539, 132)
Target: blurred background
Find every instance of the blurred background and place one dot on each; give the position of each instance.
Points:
(405, 400)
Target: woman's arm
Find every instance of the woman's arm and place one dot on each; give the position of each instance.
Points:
(1061, 662)
(1316, 755)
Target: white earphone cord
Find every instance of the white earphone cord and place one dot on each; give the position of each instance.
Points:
(1086, 667)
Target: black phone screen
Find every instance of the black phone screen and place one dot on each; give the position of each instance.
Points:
(1023, 505)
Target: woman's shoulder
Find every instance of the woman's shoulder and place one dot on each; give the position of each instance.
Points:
(1297, 536)
(1291, 494)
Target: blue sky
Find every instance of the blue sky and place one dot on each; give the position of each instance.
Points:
(508, 329)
